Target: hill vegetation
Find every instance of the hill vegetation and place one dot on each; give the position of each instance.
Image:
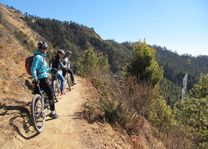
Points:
(135, 81)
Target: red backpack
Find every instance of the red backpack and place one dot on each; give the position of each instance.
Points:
(28, 64)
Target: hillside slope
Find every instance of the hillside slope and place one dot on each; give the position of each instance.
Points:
(12, 55)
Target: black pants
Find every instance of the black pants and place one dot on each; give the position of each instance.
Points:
(70, 72)
(46, 86)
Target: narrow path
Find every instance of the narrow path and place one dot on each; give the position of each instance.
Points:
(67, 132)
(60, 133)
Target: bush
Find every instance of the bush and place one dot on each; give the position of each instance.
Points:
(90, 61)
(160, 115)
(193, 113)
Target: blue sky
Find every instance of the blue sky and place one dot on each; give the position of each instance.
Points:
(179, 25)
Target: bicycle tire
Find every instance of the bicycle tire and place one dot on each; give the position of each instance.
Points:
(56, 88)
(40, 113)
(69, 82)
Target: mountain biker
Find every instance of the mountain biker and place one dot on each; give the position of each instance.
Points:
(67, 67)
(57, 64)
(40, 70)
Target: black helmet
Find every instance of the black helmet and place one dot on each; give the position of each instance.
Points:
(42, 45)
(61, 51)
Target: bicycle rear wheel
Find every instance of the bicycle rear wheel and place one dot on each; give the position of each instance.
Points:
(69, 82)
(38, 113)
(56, 88)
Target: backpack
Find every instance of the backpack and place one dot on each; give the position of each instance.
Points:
(28, 64)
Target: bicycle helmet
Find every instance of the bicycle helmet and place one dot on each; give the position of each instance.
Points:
(42, 45)
(61, 51)
(68, 53)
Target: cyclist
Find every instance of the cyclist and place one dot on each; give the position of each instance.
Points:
(67, 67)
(58, 65)
(40, 70)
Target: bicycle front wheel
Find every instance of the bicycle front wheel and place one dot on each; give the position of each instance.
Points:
(38, 113)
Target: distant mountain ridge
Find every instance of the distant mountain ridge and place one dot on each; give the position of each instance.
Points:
(176, 66)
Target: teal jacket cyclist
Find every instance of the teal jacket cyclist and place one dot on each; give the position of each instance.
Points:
(40, 70)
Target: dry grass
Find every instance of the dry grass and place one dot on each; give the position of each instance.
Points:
(122, 102)
(136, 95)
(12, 74)
(12, 20)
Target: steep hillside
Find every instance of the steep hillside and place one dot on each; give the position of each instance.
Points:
(12, 20)
(12, 55)
(13, 91)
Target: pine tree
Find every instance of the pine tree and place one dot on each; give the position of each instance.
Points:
(143, 64)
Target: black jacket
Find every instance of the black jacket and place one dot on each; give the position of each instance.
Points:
(56, 62)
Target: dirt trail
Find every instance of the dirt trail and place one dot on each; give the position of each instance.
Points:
(60, 133)
(68, 131)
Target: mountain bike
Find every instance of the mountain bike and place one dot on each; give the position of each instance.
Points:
(40, 104)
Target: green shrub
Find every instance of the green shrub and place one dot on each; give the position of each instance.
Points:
(193, 113)
(91, 61)
(160, 115)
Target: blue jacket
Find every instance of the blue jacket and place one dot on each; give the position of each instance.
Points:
(39, 68)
